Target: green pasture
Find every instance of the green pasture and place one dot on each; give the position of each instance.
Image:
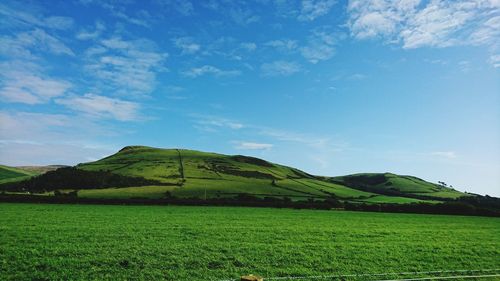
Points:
(99, 242)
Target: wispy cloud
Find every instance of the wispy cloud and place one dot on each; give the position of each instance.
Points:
(19, 16)
(312, 9)
(283, 45)
(280, 68)
(30, 125)
(444, 154)
(240, 12)
(25, 83)
(439, 23)
(30, 89)
(51, 152)
(320, 46)
(289, 136)
(183, 7)
(209, 69)
(243, 16)
(212, 123)
(488, 32)
(186, 45)
(101, 106)
(125, 67)
(249, 46)
(495, 60)
(86, 34)
(243, 145)
(27, 44)
(118, 10)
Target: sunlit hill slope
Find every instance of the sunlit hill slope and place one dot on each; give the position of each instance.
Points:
(146, 172)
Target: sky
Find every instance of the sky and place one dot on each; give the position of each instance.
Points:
(330, 87)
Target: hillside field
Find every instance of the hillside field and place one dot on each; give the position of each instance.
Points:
(11, 174)
(140, 172)
(84, 242)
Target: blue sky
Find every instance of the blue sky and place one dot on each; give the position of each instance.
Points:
(330, 87)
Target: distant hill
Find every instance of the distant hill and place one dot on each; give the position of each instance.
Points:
(12, 174)
(397, 185)
(147, 172)
(40, 169)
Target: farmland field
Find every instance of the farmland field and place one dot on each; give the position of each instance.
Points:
(81, 242)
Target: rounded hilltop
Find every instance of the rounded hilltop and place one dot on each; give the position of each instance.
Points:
(134, 147)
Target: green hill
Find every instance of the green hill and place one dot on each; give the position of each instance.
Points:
(189, 173)
(397, 185)
(40, 169)
(146, 172)
(11, 174)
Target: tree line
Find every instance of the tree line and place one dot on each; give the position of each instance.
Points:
(73, 178)
(481, 206)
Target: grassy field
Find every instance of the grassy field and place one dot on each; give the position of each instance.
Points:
(82, 242)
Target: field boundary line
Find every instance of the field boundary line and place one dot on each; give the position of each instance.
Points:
(380, 274)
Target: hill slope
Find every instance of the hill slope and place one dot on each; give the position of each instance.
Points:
(11, 174)
(191, 173)
(397, 185)
(185, 173)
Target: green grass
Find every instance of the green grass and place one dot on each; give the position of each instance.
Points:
(150, 192)
(394, 199)
(98, 242)
(9, 174)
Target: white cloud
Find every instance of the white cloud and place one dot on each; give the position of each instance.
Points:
(187, 45)
(414, 24)
(213, 123)
(118, 10)
(29, 138)
(48, 42)
(23, 86)
(101, 106)
(175, 89)
(280, 68)
(356, 76)
(288, 136)
(57, 22)
(320, 47)
(209, 69)
(487, 33)
(253, 146)
(25, 44)
(31, 126)
(495, 61)
(125, 67)
(284, 45)
(90, 35)
(312, 9)
(18, 153)
(243, 16)
(435, 25)
(183, 7)
(249, 46)
(444, 154)
(19, 17)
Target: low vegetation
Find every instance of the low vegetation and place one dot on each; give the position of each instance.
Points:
(100, 242)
